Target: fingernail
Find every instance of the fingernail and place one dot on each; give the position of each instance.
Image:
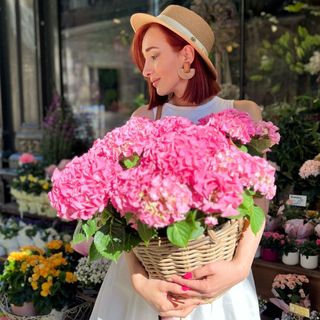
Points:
(185, 288)
(187, 275)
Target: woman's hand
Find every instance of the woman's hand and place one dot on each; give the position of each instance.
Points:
(160, 295)
(213, 279)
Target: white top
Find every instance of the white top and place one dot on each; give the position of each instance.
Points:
(194, 113)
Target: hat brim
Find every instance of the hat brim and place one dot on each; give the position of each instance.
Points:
(138, 20)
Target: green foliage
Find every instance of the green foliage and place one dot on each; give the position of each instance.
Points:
(13, 284)
(289, 245)
(291, 212)
(309, 248)
(250, 211)
(284, 54)
(300, 131)
(113, 234)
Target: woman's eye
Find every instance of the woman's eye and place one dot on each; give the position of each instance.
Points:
(154, 57)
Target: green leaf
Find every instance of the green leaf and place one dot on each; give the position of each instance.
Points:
(145, 232)
(107, 246)
(296, 7)
(130, 162)
(78, 238)
(198, 231)
(94, 253)
(243, 148)
(259, 145)
(89, 228)
(257, 218)
(180, 233)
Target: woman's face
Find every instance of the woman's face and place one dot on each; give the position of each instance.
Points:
(162, 63)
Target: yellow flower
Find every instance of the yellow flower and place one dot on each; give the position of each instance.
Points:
(24, 267)
(32, 178)
(45, 186)
(34, 285)
(32, 249)
(68, 248)
(35, 276)
(45, 288)
(54, 244)
(70, 277)
(17, 256)
(22, 178)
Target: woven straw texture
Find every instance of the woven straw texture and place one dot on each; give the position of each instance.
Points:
(161, 259)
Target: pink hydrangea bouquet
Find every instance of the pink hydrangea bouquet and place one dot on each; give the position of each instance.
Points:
(168, 178)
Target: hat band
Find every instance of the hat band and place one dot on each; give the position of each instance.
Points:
(179, 27)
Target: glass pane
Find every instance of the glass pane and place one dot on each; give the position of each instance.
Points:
(224, 18)
(101, 82)
(282, 50)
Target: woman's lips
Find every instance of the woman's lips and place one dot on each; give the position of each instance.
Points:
(155, 82)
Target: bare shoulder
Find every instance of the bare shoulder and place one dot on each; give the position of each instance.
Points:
(143, 111)
(249, 106)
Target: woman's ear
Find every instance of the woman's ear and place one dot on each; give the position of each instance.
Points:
(187, 53)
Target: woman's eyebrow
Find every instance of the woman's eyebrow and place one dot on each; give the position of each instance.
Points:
(150, 48)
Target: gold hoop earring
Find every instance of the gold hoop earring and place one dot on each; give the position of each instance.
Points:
(186, 72)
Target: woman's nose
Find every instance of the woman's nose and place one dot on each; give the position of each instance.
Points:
(146, 70)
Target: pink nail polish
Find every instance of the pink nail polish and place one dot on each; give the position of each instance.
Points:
(185, 288)
(188, 275)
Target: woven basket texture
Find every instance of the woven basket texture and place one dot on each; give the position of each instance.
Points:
(161, 259)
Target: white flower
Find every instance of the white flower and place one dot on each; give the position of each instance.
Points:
(91, 273)
(313, 67)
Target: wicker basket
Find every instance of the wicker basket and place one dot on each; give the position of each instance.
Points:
(161, 259)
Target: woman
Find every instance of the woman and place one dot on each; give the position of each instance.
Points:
(171, 50)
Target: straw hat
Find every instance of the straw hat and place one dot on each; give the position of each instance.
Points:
(185, 23)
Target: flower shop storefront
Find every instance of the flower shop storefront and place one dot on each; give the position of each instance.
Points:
(67, 78)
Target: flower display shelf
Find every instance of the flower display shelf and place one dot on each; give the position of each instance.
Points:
(80, 311)
(34, 204)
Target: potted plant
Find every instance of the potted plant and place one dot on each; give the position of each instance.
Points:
(31, 186)
(42, 280)
(271, 243)
(90, 275)
(289, 252)
(309, 253)
(290, 289)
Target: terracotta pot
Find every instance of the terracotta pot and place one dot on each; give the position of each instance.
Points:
(310, 262)
(268, 254)
(27, 309)
(291, 259)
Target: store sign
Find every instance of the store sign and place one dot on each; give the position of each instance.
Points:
(297, 200)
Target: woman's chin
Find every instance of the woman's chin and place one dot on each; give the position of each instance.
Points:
(162, 92)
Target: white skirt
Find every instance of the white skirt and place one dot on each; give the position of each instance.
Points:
(117, 300)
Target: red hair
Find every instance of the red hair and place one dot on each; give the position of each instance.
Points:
(201, 87)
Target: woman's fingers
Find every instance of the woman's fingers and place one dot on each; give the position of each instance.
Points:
(182, 313)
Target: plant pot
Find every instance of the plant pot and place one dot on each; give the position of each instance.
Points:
(310, 262)
(291, 259)
(268, 254)
(27, 309)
